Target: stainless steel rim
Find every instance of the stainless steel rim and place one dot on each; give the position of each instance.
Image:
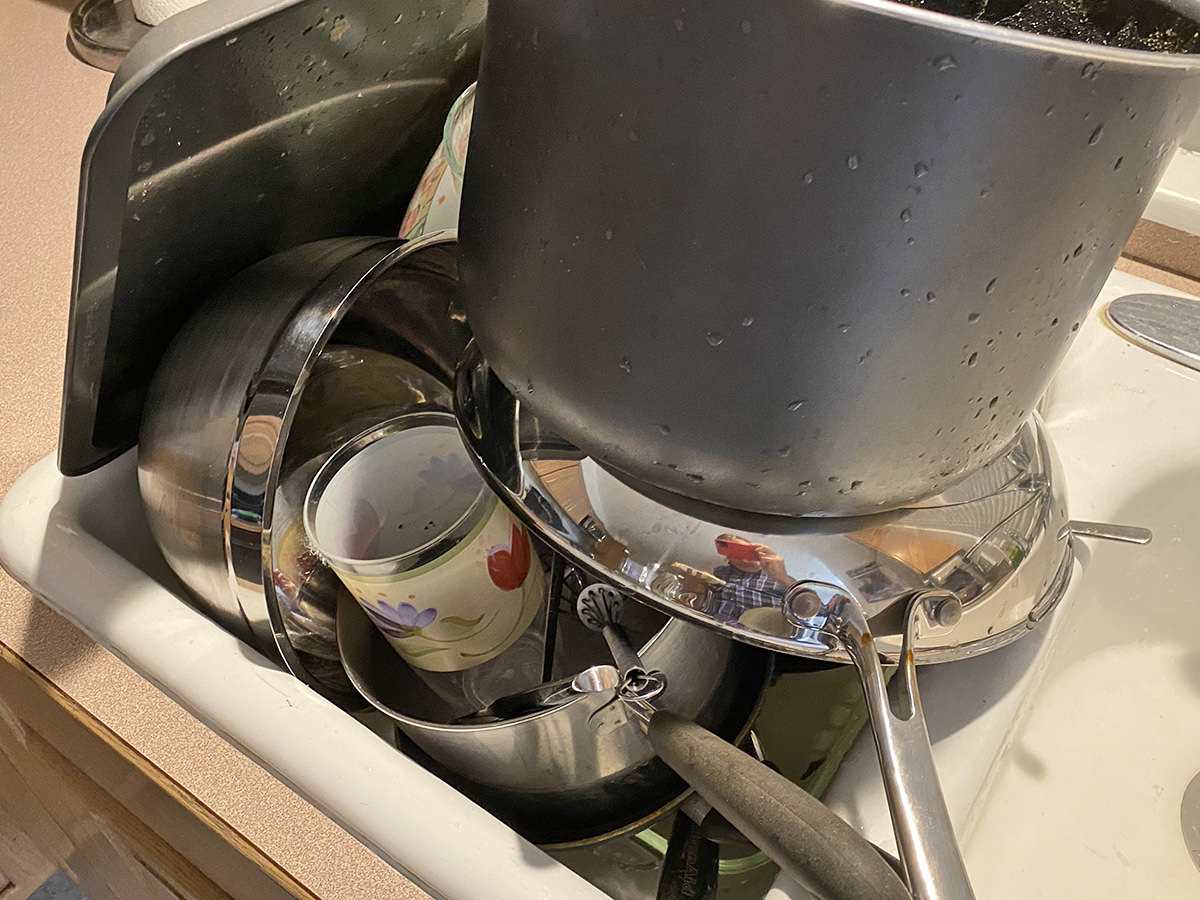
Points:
(248, 532)
(1004, 605)
(431, 549)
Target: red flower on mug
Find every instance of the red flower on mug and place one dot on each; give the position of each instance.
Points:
(508, 566)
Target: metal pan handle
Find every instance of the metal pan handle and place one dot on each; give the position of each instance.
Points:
(924, 833)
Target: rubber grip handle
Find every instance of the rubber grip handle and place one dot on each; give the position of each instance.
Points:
(824, 854)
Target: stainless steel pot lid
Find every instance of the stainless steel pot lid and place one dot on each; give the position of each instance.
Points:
(997, 541)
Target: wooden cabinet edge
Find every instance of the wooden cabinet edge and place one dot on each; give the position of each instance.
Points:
(17, 715)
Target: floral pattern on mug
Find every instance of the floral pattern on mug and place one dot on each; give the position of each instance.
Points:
(508, 566)
(402, 620)
(413, 225)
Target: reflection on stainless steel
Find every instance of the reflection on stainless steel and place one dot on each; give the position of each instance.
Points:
(825, 326)
(924, 834)
(1126, 534)
(103, 31)
(234, 130)
(993, 542)
(232, 438)
(571, 773)
(1162, 324)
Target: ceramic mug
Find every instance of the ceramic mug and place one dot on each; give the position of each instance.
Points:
(435, 202)
(442, 568)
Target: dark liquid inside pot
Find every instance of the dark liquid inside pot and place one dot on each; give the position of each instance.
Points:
(1130, 24)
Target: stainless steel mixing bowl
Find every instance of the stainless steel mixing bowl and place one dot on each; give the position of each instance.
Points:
(229, 435)
(797, 258)
(575, 773)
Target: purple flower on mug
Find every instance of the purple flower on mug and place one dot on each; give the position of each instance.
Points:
(402, 621)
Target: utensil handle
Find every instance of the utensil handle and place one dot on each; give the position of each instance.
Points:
(691, 865)
(924, 832)
(824, 854)
(621, 648)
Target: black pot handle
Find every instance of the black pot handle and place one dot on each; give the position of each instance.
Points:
(808, 841)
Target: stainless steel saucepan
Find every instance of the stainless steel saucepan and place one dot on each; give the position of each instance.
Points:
(572, 772)
(797, 258)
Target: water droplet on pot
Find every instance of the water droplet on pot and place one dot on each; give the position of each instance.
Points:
(1077, 250)
(972, 359)
(795, 405)
(1095, 136)
(1117, 164)
(714, 338)
(972, 318)
(931, 296)
(852, 161)
(855, 485)
(911, 241)
(784, 451)
(748, 321)
(992, 403)
(694, 478)
(843, 328)
(808, 177)
(906, 215)
(920, 169)
(945, 62)
(991, 286)
(665, 429)
(1087, 69)
(905, 292)
(1054, 322)
(673, 467)
(625, 364)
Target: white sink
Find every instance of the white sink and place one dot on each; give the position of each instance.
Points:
(1085, 800)
(1063, 757)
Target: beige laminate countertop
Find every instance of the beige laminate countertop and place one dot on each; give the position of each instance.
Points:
(49, 102)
